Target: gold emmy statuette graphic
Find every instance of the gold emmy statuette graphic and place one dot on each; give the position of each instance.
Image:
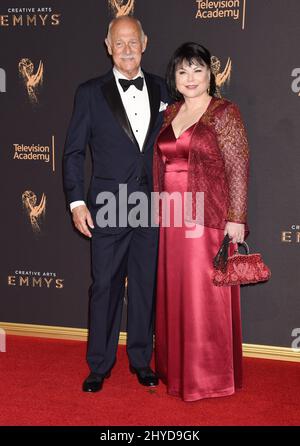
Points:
(121, 7)
(32, 80)
(35, 212)
(222, 77)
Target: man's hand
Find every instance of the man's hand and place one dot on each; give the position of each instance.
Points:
(236, 231)
(82, 219)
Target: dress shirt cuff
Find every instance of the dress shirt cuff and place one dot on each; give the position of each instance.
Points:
(74, 204)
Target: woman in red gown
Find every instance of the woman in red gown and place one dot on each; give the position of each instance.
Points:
(202, 147)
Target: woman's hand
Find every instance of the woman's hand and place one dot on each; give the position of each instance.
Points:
(236, 231)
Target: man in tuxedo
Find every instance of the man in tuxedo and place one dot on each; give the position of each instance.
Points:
(119, 116)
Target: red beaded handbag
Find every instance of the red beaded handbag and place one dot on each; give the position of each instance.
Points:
(238, 269)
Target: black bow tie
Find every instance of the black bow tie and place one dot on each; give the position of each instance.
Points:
(138, 83)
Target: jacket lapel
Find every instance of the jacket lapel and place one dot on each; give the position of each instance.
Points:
(111, 93)
(154, 101)
(113, 98)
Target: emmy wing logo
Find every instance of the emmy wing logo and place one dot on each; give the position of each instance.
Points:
(222, 77)
(31, 80)
(121, 7)
(34, 211)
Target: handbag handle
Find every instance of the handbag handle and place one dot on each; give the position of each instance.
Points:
(220, 260)
(246, 246)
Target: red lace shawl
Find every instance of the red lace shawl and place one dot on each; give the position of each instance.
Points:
(218, 164)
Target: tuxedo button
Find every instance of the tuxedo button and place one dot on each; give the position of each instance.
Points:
(137, 178)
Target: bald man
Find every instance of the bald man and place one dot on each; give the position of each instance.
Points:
(119, 116)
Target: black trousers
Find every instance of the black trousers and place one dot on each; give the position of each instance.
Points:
(133, 253)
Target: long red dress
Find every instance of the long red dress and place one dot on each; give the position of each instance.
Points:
(198, 343)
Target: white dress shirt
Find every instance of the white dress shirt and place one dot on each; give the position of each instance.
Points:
(137, 107)
(136, 104)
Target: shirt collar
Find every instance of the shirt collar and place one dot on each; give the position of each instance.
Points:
(119, 75)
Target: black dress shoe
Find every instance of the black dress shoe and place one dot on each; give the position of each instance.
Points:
(94, 382)
(145, 376)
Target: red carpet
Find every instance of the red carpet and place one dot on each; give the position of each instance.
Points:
(41, 385)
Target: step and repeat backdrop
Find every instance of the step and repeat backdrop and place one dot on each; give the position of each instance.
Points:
(47, 48)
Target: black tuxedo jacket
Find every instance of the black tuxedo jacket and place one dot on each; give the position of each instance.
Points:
(100, 121)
